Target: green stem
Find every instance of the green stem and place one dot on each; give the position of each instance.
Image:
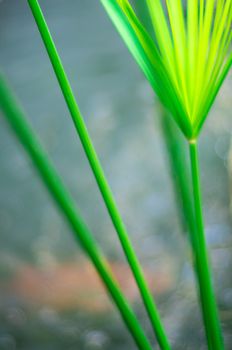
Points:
(65, 203)
(100, 176)
(206, 292)
(177, 161)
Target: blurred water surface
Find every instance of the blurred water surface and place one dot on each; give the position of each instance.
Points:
(50, 297)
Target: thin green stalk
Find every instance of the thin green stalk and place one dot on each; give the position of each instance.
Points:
(65, 203)
(206, 292)
(100, 176)
(177, 161)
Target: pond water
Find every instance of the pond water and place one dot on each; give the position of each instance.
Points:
(50, 296)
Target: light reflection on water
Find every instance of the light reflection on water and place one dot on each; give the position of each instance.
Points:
(118, 108)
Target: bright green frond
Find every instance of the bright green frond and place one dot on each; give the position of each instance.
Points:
(192, 44)
(213, 95)
(149, 58)
(163, 37)
(190, 56)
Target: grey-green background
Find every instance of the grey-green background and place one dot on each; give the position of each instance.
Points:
(123, 120)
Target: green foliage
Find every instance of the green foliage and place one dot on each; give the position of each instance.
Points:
(186, 64)
(65, 203)
(98, 172)
(189, 58)
(175, 148)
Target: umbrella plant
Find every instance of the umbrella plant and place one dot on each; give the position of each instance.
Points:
(186, 62)
(189, 57)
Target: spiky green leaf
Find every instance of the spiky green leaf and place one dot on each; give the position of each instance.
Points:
(190, 57)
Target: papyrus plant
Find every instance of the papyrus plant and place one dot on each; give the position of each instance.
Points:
(189, 57)
(186, 63)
